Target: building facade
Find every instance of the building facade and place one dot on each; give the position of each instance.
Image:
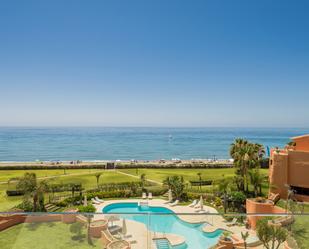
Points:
(289, 168)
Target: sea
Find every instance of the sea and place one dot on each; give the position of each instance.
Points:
(131, 143)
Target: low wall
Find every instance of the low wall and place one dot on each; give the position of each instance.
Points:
(43, 218)
(12, 220)
(15, 219)
(254, 209)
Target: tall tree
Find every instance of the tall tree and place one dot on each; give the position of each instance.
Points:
(33, 190)
(98, 175)
(199, 174)
(256, 180)
(176, 184)
(223, 187)
(143, 179)
(246, 156)
(271, 236)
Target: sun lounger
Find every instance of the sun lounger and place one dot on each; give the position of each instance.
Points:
(98, 199)
(202, 211)
(144, 196)
(198, 205)
(95, 202)
(175, 203)
(283, 221)
(232, 223)
(150, 196)
(114, 229)
(274, 198)
(193, 203)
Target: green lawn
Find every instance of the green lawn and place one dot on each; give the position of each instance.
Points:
(5, 175)
(51, 235)
(85, 177)
(187, 174)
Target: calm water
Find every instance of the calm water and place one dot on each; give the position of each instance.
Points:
(165, 221)
(29, 144)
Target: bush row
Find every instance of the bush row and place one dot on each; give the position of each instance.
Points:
(191, 165)
(121, 186)
(59, 166)
(76, 200)
(14, 192)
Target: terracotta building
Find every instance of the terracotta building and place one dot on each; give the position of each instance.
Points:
(289, 167)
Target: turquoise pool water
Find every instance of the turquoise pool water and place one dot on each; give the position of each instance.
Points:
(164, 220)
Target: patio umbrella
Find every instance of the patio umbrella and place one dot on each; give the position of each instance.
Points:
(85, 201)
(170, 195)
(124, 227)
(201, 203)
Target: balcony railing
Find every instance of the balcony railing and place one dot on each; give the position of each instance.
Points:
(150, 230)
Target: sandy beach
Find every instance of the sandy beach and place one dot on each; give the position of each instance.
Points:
(118, 164)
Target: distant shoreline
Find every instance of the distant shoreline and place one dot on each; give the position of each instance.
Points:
(102, 164)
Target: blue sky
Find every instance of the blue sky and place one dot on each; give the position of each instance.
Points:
(154, 63)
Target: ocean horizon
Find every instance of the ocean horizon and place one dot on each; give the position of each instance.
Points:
(127, 143)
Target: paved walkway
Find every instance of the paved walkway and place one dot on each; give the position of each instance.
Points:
(135, 176)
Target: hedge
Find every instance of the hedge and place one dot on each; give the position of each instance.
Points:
(14, 192)
(201, 183)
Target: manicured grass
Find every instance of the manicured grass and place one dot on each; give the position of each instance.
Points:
(187, 174)
(85, 177)
(51, 235)
(191, 174)
(5, 175)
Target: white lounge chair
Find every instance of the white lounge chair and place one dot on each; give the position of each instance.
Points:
(95, 202)
(197, 205)
(98, 199)
(175, 203)
(144, 196)
(150, 196)
(201, 211)
(193, 203)
(232, 223)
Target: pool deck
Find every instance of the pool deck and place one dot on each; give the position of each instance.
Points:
(144, 237)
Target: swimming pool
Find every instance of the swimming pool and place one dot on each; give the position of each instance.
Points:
(164, 220)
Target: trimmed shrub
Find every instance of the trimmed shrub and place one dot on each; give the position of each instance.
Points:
(218, 202)
(14, 192)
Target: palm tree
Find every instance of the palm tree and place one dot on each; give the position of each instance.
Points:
(143, 179)
(98, 175)
(176, 184)
(256, 180)
(199, 174)
(33, 190)
(246, 156)
(167, 182)
(223, 186)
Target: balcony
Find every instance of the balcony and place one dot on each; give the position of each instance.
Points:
(147, 230)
